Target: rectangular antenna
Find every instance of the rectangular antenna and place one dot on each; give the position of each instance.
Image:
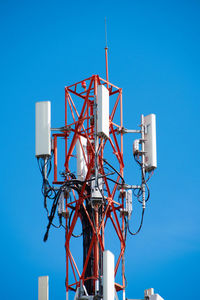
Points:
(81, 153)
(43, 288)
(108, 276)
(150, 142)
(43, 128)
(102, 111)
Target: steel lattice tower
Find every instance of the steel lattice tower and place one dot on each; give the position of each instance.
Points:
(80, 102)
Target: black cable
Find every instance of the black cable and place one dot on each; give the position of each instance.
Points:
(134, 233)
(106, 168)
(56, 225)
(144, 181)
(148, 190)
(114, 169)
(139, 193)
(43, 162)
(49, 192)
(137, 160)
(52, 214)
(150, 175)
(53, 210)
(114, 181)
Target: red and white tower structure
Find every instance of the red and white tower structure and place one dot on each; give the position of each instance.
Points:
(96, 194)
(86, 115)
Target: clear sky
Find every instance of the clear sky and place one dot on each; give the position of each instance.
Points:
(154, 55)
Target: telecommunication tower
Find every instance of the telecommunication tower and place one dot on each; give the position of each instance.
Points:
(97, 193)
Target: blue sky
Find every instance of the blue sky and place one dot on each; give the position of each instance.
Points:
(154, 56)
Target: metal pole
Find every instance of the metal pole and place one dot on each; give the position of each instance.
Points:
(96, 208)
(143, 162)
(122, 173)
(106, 53)
(96, 142)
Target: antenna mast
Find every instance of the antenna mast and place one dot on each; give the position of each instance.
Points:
(95, 199)
(106, 53)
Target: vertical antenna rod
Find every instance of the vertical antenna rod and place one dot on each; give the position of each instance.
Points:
(106, 53)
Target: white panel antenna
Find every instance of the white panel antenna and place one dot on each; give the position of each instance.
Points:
(81, 157)
(150, 142)
(43, 129)
(108, 276)
(43, 288)
(103, 111)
